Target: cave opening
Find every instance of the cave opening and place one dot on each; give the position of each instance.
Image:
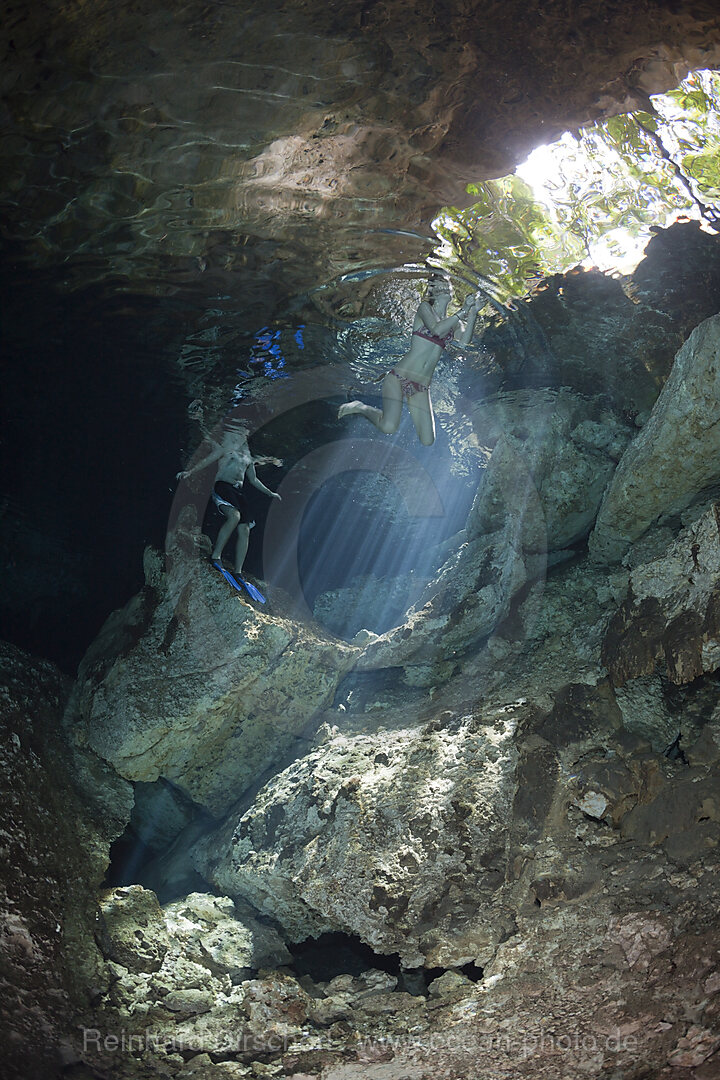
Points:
(594, 196)
(152, 850)
(332, 954)
(134, 862)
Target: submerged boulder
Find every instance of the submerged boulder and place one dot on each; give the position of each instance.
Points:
(461, 840)
(222, 936)
(397, 838)
(193, 683)
(200, 930)
(674, 457)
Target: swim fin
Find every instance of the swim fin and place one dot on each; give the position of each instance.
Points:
(227, 575)
(255, 593)
(252, 591)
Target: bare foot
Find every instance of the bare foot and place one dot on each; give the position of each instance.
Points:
(348, 407)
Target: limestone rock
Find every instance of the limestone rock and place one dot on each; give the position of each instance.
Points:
(189, 1002)
(451, 983)
(195, 685)
(210, 931)
(675, 456)
(553, 629)
(683, 816)
(647, 712)
(706, 749)
(133, 931)
(600, 913)
(569, 445)
(397, 840)
(54, 851)
(358, 605)
(678, 278)
(189, 943)
(553, 453)
(586, 331)
(671, 615)
(504, 549)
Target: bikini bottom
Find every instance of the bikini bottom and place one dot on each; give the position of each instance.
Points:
(409, 386)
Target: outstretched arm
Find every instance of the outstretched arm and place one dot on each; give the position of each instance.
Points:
(431, 321)
(253, 478)
(214, 455)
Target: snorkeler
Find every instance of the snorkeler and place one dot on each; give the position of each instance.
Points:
(433, 329)
(235, 464)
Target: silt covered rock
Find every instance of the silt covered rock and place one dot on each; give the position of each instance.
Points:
(194, 684)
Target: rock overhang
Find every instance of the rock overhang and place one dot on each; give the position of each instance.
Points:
(214, 150)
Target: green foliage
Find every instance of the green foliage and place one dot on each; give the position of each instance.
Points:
(705, 168)
(609, 184)
(497, 241)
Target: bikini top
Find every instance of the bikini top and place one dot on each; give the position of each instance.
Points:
(441, 341)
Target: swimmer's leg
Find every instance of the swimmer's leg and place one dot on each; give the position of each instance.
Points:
(421, 413)
(386, 419)
(233, 517)
(243, 538)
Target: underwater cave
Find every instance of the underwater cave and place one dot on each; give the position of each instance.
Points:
(360, 519)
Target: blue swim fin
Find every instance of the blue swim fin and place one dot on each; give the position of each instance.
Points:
(252, 591)
(227, 575)
(255, 593)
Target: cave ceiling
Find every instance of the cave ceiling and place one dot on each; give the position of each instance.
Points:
(215, 148)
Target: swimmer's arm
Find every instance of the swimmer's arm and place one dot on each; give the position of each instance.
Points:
(253, 478)
(441, 327)
(465, 336)
(431, 321)
(214, 455)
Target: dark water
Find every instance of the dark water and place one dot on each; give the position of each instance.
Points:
(91, 428)
(96, 388)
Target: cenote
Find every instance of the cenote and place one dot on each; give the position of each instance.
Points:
(426, 781)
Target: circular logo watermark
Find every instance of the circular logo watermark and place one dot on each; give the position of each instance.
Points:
(502, 557)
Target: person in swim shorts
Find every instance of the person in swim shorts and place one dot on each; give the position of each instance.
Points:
(410, 379)
(235, 464)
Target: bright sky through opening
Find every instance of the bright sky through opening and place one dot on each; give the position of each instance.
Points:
(551, 170)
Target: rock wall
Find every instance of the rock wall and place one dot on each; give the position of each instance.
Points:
(194, 684)
(541, 872)
(581, 907)
(60, 814)
(675, 457)
(670, 615)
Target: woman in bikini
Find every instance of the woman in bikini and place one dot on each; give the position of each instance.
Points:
(432, 330)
